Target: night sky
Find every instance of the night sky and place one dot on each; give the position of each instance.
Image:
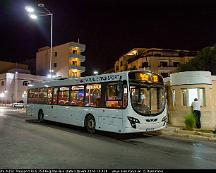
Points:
(109, 28)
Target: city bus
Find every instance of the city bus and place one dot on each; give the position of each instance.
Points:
(124, 102)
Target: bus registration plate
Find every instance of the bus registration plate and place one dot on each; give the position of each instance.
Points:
(149, 129)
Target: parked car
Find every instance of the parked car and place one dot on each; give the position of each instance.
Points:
(19, 104)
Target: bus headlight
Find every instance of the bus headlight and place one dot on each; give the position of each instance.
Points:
(164, 119)
(133, 121)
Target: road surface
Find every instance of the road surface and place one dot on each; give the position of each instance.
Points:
(30, 144)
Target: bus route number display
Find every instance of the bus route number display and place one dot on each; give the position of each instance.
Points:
(152, 78)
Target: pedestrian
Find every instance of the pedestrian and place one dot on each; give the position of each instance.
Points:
(197, 113)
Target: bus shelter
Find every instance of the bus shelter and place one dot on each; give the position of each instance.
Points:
(182, 88)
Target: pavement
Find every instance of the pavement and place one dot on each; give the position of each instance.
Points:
(196, 134)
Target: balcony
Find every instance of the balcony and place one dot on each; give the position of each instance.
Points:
(80, 68)
(81, 57)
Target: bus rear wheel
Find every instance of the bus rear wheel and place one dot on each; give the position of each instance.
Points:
(40, 116)
(90, 124)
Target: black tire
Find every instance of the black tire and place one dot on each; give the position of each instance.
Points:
(40, 116)
(90, 124)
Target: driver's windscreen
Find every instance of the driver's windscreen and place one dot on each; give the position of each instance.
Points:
(147, 100)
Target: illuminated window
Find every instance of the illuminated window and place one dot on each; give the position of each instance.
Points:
(63, 96)
(55, 92)
(114, 95)
(93, 95)
(77, 95)
(33, 95)
(49, 92)
(173, 97)
(42, 96)
(188, 96)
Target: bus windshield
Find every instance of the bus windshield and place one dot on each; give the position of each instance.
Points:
(147, 92)
(147, 100)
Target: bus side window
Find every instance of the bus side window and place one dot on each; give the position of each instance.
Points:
(30, 96)
(93, 95)
(55, 92)
(77, 95)
(42, 96)
(35, 95)
(113, 96)
(63, 96)
(49, 95)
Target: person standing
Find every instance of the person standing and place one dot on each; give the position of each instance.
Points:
(197, 113)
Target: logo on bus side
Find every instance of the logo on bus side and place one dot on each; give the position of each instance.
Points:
(100, 78)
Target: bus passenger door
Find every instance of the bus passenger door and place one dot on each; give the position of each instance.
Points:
(111, 117)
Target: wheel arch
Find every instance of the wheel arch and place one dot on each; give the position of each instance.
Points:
(88, 115)
(39, 111)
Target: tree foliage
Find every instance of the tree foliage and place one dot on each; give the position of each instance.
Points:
(205, 60)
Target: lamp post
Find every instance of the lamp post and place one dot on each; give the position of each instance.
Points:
(34, 16)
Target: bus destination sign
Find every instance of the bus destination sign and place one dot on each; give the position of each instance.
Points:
(105, 78)
(145, 77)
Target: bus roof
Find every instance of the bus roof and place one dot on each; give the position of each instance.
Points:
(82, 80)
(120, 76)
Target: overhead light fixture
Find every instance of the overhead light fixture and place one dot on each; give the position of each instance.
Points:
(29, 9)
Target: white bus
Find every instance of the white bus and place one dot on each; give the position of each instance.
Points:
(124, 102)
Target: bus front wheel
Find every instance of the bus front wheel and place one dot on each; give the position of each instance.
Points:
(90, 124)
(40, 116)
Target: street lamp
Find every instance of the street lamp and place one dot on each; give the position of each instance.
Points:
(33, 16)
(29, 9)
(95, 72)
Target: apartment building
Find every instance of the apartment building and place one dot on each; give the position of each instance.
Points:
(66, 60)
(162, 61)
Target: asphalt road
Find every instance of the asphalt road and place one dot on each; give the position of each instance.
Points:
(29, 144)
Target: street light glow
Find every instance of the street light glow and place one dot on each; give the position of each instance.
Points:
(95, 72)
(29, 9)
(2, 95)
(33, 16)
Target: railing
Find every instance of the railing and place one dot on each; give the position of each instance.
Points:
(81, 68)
(81, 57)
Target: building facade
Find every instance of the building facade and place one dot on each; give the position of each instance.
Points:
(162, 61)
(13, 85)
(66, 60)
